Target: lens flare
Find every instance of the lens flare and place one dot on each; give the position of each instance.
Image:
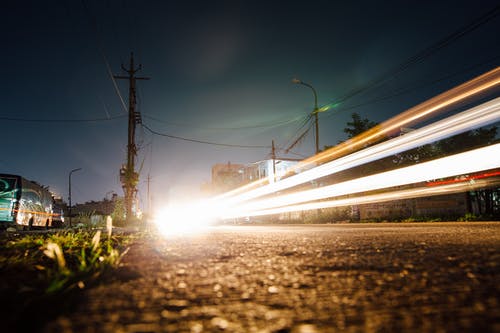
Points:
(186, 218)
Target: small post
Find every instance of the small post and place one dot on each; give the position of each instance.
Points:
(69, 194)
(273, 156)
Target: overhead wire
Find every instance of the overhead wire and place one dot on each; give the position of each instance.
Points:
(388, 75)
(428, 51)
(300, 138)
(261, 125)
(405, 65)
(202, 141)
(306, 118)
(294, 153)
(39, 120)
(428, 109)
(411, 88)
(484, 114)
(407, 89)
(295, 137)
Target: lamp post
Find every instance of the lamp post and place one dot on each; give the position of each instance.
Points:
(315, 111)
(69, 192)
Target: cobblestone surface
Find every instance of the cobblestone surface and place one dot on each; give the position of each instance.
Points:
(430, 277)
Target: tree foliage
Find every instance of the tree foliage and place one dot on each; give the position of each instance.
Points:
(358, 125)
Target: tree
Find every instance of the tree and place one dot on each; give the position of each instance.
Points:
(358, 125)
(355, 127)
(468, 140)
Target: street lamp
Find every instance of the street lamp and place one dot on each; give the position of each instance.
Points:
(69, 195)
(315, 111)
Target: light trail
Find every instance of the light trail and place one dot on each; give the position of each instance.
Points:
(482, 115)
(476, 160)
(408, 118)
(420, 112)
(255, 199)
(471, 179)
(380, 197)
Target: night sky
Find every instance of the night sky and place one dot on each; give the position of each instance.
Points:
(221, 72)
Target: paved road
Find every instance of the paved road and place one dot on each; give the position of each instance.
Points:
(428, 277)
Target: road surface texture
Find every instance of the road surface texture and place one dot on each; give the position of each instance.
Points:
(427, 277)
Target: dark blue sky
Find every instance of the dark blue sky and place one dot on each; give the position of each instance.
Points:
(220, 71)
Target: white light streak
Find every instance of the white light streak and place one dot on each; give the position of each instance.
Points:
(472, 161)
(381, 197)
(250, 200)
(476, 117)
(431, 107)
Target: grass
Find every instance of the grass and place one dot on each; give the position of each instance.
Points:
(42, 271)
(62, 260)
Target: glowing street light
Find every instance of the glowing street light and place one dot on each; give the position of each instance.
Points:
(315, 111)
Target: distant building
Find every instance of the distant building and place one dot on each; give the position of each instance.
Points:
(274, 170)
(103, 207)
(227, 176)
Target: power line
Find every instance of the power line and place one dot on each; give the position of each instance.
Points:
(300, 138)
(294, 153)
(390, 74)
(33, 120)
(411, 88)
(262, 125)
(201, 141)
(291, 143)
(386, 97)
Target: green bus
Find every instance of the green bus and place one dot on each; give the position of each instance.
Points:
(24, 203)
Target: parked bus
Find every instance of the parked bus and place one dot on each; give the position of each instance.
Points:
(24, 203)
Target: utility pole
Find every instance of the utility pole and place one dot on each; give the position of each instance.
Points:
(149, 198)
(69, 192)
(273, 156)
(128, 177)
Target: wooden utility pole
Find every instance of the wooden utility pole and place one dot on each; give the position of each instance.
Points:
(128, 177)
(149, 198)
(273, 156)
